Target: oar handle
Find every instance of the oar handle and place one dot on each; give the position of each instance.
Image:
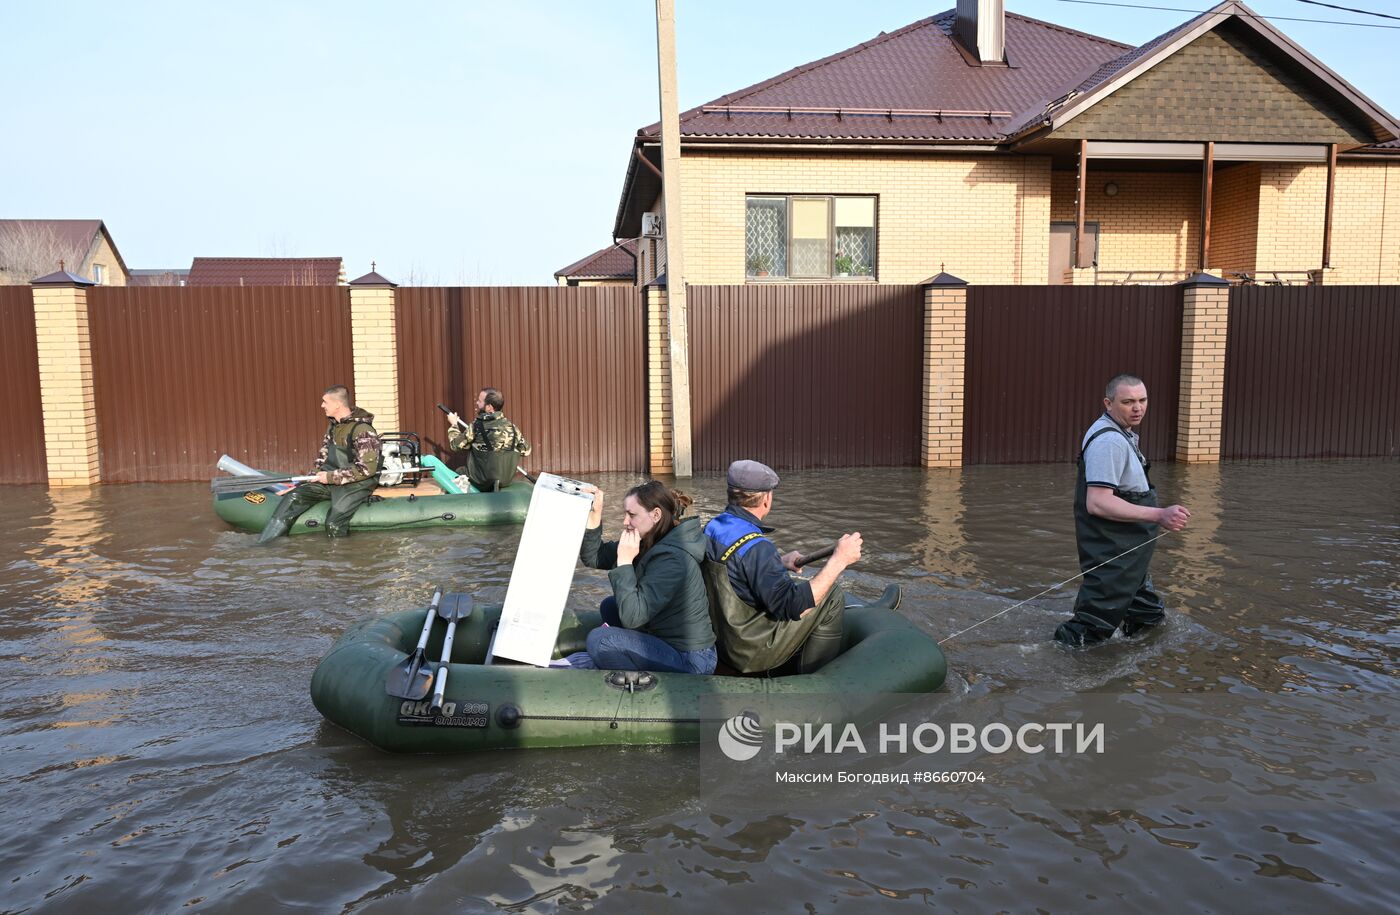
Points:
(441, 688)
(428, 623)
(813, 557)
(447, 412)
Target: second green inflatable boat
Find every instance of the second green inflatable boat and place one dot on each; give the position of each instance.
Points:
(505, 705)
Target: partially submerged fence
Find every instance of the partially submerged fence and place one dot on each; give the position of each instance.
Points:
(184, 374)
(1038, 357)
(805, 376)
(568, 360)
(153, 383)
(1312, 371)
(21, 407)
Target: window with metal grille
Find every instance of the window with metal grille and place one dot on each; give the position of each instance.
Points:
(809, 237)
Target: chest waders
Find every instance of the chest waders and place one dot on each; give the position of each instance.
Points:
(751, 642)
(1118, 594)
(493, 459)
(345, 499)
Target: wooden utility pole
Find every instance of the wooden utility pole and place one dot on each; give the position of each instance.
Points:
(671, 228)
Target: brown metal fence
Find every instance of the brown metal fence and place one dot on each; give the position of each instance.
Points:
(805, 376)
(21, 406)
(1312, 371)
(1038, 358)
(569, 361)
(184, 374)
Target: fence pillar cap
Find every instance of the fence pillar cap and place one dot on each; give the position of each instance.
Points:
(61, 278)
(658, 283)
(372, 279)
(1203, 279)
(944, 279)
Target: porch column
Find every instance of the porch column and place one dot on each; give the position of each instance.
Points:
(374, 338)
(659, 450)
(65, 379)
(1200, 404)
(945, 356)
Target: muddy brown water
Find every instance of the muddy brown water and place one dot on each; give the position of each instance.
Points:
(160, 751)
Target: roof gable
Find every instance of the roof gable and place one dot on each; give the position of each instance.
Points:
(1225, 75)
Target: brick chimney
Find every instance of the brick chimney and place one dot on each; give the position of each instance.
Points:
(981, 27)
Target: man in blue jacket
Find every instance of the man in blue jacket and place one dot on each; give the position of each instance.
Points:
(764, 616)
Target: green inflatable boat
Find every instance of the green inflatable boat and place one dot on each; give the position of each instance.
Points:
(503, 705)
(435, 502)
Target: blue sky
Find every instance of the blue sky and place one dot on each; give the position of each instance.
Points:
(453, 141)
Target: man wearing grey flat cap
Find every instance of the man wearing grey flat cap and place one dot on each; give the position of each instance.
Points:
(764, 617)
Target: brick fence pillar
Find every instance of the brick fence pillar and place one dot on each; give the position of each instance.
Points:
(945, 357)
(374, 337)
(660, 455)
(65, 379)
(1205, 317)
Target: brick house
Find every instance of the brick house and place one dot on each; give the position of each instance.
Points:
(33, 247)
(1016, 151)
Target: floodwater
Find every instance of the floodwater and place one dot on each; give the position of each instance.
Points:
(159, 751)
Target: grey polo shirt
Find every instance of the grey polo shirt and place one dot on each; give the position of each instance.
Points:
(1114, 458)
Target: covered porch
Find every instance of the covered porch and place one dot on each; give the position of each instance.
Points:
(1158, 212)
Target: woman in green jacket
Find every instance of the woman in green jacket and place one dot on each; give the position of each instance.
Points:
(658, 618)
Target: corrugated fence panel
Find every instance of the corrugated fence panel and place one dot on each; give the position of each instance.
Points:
(21, 408)
(1038, 358)
(1312, 371)
(185, 374)
(569, 361)
(805, 375)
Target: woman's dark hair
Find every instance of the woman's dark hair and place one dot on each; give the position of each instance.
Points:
(655, 494)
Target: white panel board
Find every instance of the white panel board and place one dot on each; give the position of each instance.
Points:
(544, 570)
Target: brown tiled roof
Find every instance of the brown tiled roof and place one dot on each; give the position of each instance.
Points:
(612, 262)
(265, 271)
(898, 82)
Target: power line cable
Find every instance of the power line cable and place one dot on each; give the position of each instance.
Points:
(1349, 9)
(1178, 9)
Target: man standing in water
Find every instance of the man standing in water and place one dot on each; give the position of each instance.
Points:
(1115, 511)
(493, 444)
(347, 469)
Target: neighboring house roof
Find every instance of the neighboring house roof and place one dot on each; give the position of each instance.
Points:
(158, 277)
(613, 262)
(77, 239)
(917, 86)
(265, 271)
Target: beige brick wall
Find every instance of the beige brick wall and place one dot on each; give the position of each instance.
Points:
(1205, 320)
(1366, 224)
(374, 336)
(1234, 227)
(985, 217)
(113, 274)
(1292, 208)
(65, 384)
(945, 347)
(1152, 224)
(661, 454)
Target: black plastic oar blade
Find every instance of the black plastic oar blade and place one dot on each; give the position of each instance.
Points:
(410, 679)
(455, 607)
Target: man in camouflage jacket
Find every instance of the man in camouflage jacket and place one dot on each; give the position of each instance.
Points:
(347, 469)
(494, 444)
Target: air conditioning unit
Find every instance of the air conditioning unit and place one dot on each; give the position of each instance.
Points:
(651, 225)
